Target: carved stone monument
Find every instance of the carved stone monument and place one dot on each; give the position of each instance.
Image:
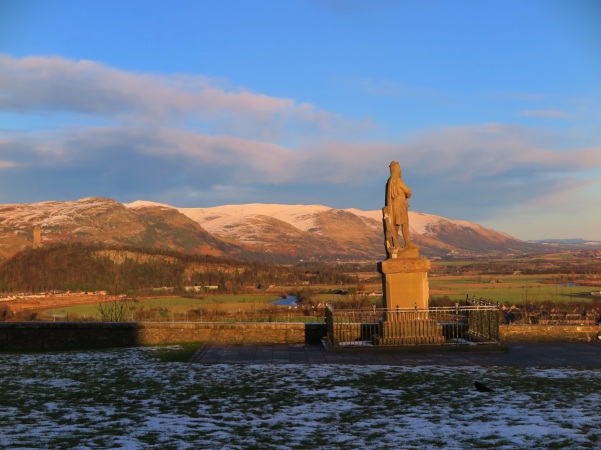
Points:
(404, 274)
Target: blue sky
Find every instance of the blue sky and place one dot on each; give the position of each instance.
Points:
(493, 108)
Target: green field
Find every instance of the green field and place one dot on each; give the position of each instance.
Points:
(176, 305)
(512, 289)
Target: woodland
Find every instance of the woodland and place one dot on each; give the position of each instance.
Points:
(93, 267)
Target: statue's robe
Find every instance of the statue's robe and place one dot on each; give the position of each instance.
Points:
(397, 194)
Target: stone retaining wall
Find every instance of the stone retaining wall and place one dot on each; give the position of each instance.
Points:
(549, 333)
(37, 336)
(40, 336)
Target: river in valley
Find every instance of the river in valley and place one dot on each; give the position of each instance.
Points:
(291, 300)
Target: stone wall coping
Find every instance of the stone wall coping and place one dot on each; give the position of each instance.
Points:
(549, 333)
(142, 325)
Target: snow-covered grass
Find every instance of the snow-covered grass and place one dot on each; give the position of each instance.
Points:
(130, 398)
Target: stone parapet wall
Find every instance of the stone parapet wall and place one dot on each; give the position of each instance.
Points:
(235, 333)
(44, 336)
(549, 333)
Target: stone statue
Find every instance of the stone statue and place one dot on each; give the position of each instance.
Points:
(395, 213)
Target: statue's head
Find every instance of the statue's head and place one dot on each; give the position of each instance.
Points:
(395, 168)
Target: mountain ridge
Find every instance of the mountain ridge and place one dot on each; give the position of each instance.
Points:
(262, 232)
(436, 235)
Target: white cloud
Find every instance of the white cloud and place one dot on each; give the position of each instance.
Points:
(501, 157)
(55, 84)
(493, 149)
(7, 164)
(567, 210)
(246, 161)
(190, 138)
(454, 153)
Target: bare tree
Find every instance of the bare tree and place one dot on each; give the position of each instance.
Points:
(116, 309)
(5, 313)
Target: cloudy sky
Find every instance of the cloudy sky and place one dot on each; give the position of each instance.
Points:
(493, 108)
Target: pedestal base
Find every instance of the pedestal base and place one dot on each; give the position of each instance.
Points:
(405, 282)
(409, 332)
(406, 292)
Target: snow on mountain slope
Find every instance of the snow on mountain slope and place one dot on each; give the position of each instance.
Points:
(302, 230)
(419, 223)
(303, 217)
(347, 228)
(216, 218)
(95, 219)
(56, 213)
(219, 219)
(146, 203)
(298, 231)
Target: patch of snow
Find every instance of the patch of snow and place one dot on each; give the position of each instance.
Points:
(128, 399)
(418, 222)
(51, 213)
(215, 219)
(145, 203)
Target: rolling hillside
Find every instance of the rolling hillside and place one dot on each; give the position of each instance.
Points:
(269, 233)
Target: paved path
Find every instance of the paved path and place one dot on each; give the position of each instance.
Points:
(547, 355)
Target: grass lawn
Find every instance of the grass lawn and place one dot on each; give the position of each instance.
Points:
(134, 399)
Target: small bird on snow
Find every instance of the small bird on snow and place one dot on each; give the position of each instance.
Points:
(482, 388)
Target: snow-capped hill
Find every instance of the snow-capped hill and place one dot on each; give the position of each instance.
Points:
(318, 229)
(105, 220)
(284, 232)
(304, 231)
(428, 224)
(418, 222)
(146, 204)
(53, 214)
(213, 219)
(424, 224)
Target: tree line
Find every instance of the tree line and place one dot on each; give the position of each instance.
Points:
(82, 267)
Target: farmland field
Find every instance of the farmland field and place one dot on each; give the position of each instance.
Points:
(511, 289)
(176, 305)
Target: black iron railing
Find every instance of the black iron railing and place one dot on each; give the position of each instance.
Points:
(470, 324)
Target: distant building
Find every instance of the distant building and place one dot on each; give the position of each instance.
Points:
(201, 288)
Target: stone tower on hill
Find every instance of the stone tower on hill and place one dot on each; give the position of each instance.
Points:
(37, 237)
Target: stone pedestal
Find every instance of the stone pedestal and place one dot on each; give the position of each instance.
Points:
(405, 280)
(410, 332)
(406, 292)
